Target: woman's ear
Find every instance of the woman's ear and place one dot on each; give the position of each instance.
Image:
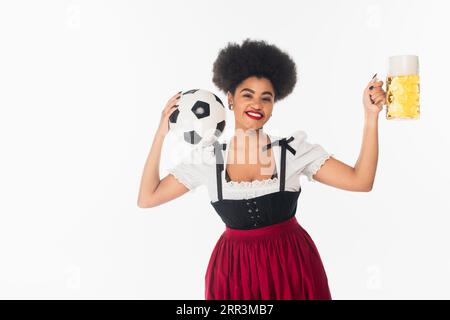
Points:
(229, 97)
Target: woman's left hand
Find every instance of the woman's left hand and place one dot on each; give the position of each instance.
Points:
(374, 97)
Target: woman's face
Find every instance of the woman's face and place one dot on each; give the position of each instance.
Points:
(252, 103)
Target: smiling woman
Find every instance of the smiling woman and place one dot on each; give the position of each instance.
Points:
(263, 253)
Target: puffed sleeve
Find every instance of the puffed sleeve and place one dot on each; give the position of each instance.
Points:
(192, 170)
(309, 157)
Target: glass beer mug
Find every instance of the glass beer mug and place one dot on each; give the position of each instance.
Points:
(403, 88)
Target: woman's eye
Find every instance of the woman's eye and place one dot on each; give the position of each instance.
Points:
(249, 96)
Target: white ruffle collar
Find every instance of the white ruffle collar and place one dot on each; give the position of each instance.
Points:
(251, 184)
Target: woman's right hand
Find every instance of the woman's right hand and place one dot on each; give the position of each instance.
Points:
(170, 107)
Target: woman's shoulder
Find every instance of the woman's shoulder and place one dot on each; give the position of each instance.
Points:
(299, 144)
(202, 154)
(194, 166)
(207, 154)
(299, 135)
(295, 137)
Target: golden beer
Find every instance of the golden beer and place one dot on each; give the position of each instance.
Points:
(402, 97)
(403, 88)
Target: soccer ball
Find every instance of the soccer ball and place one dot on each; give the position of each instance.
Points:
(199, 117)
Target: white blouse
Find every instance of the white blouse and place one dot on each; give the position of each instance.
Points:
(199, 168)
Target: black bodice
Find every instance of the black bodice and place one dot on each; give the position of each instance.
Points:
(259, 211)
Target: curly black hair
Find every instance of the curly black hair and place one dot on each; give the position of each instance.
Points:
(235, 63)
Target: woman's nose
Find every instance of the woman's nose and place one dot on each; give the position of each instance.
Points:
(257, 105)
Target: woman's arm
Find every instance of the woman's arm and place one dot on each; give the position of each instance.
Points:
(361, 177)
(153, 191)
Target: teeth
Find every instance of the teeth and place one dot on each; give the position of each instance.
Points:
(254, 114)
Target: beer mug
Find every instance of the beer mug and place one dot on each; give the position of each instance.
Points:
(403, 88)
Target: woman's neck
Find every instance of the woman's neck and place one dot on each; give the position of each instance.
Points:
(249, 138)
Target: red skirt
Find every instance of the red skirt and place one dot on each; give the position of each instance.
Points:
(275, 262)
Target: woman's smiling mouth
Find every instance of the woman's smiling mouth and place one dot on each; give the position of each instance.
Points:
(254, 115)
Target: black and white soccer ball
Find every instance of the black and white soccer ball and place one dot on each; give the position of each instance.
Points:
(199, 117)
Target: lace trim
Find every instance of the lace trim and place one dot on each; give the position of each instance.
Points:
(180, 178)
(317, 166)
(254, 183)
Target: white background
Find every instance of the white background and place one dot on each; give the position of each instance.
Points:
(82, 86)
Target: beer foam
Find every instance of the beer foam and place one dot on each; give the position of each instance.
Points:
(403, 65)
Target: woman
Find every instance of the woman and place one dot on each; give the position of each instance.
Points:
(263, 253)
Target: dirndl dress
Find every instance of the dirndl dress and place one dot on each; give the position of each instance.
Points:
(264, 253)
